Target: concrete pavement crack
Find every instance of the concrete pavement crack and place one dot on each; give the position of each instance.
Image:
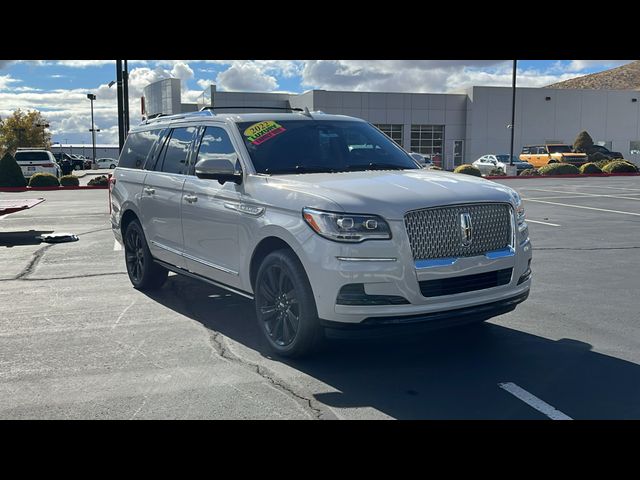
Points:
(33, 263)
(309, 404)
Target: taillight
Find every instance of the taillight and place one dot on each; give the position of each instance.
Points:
(112, 182)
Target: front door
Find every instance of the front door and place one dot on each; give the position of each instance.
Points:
(211, 216)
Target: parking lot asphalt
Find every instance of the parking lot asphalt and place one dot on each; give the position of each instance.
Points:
(77, 341)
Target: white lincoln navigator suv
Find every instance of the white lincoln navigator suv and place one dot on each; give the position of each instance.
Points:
(322, 220)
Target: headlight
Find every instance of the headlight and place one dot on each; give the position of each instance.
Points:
(520, 216)
(346, 227)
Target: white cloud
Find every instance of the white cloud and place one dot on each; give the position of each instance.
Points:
(580, 65)
(246, 76)
(6, 81)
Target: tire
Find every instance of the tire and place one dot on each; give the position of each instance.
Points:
(144, 273)
(552, 161)
(112, 166)
(285, 306)
(76, 167)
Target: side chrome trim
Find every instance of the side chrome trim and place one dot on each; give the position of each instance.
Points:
(195, 259)
(209, 264)
(168, 249)
(367, 259)
(186, 273)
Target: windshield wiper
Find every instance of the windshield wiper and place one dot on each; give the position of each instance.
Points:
(302, 169)
(375, 166)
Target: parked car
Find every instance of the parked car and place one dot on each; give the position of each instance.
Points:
(422, 159)
(107, 163)
(539, 155)
(65, 162)
(277, 208)
(488, 163)
(35, 160)
(606, 151)
(77, 161)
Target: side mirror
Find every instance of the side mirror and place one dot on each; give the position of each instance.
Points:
(219, 167)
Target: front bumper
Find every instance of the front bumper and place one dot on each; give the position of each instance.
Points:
(384, 326)
(390, 270)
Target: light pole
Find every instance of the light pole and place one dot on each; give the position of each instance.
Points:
(513, 110)
(43, 125)
(92, 97)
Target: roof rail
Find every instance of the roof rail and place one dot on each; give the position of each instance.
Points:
(294, 109)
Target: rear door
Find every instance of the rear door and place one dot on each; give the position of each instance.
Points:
(211, 214)
(161, 198)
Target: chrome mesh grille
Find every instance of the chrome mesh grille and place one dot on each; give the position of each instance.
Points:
(437, 233)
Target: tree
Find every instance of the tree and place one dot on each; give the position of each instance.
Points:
(10, 172)
(583, 143)
(21, 130)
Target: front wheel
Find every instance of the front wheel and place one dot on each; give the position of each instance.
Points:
(77, 167)
(143, 272)
(285, 307)
(112, 166)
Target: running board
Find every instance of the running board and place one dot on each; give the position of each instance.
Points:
(181, 271)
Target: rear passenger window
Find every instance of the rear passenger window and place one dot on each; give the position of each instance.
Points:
(215, 141)
(137, 148)
(177, 150)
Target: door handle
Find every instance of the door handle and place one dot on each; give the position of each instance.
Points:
(191, 198)
(149, 191)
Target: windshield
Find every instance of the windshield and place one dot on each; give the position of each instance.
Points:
(560, 148)
(312, 146)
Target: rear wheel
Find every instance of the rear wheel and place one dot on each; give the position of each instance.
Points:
(112, 166)
(285, 307)
(143, 272)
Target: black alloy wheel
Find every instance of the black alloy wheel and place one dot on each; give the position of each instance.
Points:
(279, 308)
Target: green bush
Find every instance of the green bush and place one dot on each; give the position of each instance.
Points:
(101, 181)
(69, 181)
(43, 180)
(530, 172)
(596, 157)
(620, 166)
(559, 169)
(11, 173)
(468, 170)
(590, 168)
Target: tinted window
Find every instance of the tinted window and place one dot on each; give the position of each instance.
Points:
(176, 150)
(31, 156)
(215, 141)
(307, 146)
(136, 148)
(560, 149)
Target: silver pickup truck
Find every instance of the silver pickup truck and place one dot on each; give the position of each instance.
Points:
(320, 219)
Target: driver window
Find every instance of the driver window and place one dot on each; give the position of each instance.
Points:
(215, 142)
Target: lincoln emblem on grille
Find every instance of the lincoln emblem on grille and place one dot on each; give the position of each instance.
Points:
(466, 229)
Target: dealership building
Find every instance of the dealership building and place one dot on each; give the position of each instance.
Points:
(454, 127)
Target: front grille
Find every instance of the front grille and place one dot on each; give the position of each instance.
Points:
(437, 232)
(467, 283)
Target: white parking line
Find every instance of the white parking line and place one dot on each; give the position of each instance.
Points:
(543, 223)
(585, 208)
(579, 194)
(533, 401)
(116, 246)
(602, 186)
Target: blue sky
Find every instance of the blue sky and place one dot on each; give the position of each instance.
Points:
(58, 88)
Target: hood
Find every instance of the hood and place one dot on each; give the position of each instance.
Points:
(391, 193)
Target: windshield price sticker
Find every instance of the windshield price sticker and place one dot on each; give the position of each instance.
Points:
(262, 131)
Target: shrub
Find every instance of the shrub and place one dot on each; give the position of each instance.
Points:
(468, 170)
(620, 166)
(583, 142)
(597, 157)
(11, 173)
(69, 181)
(530, 172)
(559, 169)
(101, 181)
(44, 180)
(496, 172)
(590, 168)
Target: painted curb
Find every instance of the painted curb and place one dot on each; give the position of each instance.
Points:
(36, 189)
